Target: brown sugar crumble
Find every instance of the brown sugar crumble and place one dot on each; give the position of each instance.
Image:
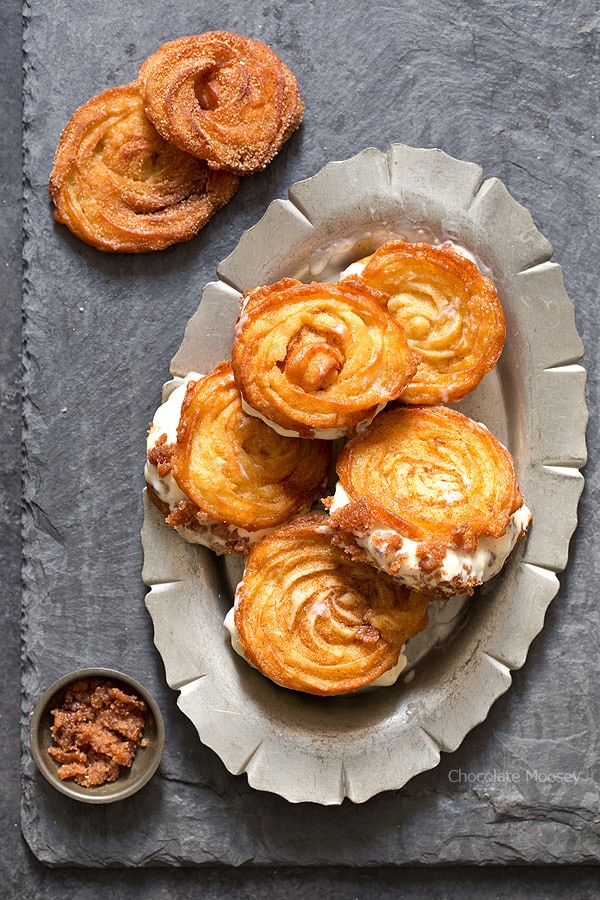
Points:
(97, 730)
(161, 455)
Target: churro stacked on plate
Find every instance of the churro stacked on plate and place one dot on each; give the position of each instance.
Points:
(426, 504)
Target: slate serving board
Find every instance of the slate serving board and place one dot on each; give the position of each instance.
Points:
(100, 331)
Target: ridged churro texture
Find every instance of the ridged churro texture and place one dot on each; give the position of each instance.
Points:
(313, 620)
(223, 97)
(237, 468)
(121, 187)
(319, 358)
(239, 477)
(451, 315)
(432, 474)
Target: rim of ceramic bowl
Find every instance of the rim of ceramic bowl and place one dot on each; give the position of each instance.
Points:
(130, 780)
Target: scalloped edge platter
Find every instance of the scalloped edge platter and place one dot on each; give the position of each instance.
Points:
(322, 750)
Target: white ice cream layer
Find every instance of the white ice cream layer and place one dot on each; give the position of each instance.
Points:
(324, 434)
(473, 567)
(165, 421)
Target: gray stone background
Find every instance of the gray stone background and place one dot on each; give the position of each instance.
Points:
(511, 86)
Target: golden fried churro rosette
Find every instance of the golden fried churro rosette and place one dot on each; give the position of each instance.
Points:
(450, 311)
(318, 360)
(119, 186)
(223, 478)
(313, 620)
(431, 497)
(224, 97)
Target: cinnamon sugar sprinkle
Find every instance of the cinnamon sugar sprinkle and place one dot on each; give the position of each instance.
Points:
(97, 731)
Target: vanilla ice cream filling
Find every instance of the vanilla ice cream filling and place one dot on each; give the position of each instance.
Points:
(385, 680)
(457, 566)
(166, 421)
(324, 434)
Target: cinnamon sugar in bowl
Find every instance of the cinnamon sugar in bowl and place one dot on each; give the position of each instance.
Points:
(97, 735)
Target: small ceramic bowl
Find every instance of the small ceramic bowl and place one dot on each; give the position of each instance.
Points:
(130, 780)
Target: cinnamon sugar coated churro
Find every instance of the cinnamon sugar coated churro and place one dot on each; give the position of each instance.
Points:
(145, 165)
(224, 97)
(119, 186)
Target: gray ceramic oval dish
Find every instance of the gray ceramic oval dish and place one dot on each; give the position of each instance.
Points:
(147, 758)
(325, 749)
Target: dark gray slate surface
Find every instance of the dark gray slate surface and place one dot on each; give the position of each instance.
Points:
(514, 88)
